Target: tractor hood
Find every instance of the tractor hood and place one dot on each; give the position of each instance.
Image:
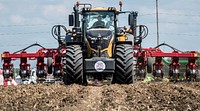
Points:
(99, 39)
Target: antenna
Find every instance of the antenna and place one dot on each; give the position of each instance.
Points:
(157, 22)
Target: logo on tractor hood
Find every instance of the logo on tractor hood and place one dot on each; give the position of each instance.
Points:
(99, 66)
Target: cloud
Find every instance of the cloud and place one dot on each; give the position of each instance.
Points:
(17, 19)
(2, 7)
(54, 11)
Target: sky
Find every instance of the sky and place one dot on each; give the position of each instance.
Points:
(24, 22)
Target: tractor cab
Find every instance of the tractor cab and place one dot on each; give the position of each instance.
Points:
(99, 19)
(99, 31)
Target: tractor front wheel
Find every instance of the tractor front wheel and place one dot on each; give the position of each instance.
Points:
(123, 64)
(73, 65)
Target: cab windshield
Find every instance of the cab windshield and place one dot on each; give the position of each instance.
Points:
(100, 20)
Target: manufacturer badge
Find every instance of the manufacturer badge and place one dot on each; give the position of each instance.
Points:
(100, 66)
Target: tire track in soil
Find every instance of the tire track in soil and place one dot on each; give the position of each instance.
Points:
(93, 99)
(114, 98)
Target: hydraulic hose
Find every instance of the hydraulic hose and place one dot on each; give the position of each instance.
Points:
(164, 44)
(35, 44)
(56, 32)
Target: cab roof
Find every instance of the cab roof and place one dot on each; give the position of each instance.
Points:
(102, 9)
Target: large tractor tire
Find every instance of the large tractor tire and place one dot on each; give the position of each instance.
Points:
(123, 64)
(73, 65)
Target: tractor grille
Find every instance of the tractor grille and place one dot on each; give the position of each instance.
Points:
(97, 37)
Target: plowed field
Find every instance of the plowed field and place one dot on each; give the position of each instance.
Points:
(134, 97)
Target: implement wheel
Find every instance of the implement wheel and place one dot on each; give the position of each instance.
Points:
(73, 65)
(49, 63)
(149, 64)
(123, 64)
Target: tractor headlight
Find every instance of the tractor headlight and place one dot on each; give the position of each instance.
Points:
(107, 37)
(93, 38)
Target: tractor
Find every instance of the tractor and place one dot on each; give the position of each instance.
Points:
(97, 49)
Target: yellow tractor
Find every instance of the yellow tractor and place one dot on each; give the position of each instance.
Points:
(98, 51)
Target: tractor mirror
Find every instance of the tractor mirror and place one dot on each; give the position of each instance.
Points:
(131, 19)
(71, 20)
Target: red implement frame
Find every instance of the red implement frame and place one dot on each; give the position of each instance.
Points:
(40, 55)
(141, 54)
(174, 68)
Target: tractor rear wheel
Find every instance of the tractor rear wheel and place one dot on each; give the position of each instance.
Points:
(73, 65)
(123, 64)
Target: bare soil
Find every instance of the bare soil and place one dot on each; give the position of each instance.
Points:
(156, 96)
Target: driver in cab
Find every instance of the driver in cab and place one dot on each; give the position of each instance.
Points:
(99, 23)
